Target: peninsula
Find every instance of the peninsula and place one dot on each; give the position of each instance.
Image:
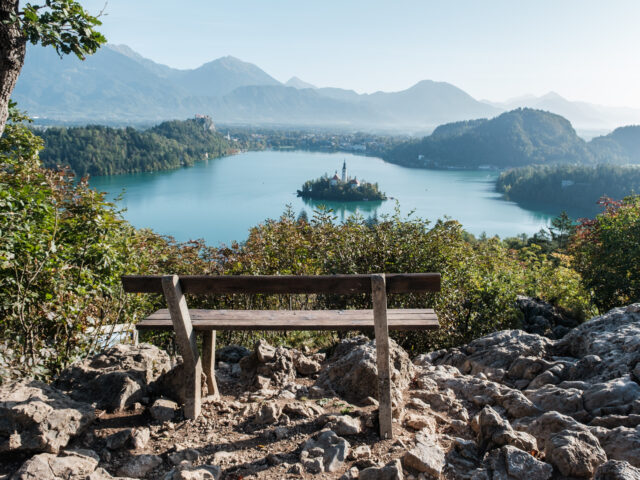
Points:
(342, 188)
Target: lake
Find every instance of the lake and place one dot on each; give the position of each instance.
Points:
(220, 199)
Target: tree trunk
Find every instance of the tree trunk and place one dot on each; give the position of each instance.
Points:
(13, 46)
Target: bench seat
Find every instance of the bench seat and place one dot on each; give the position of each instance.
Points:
(202, 320)
(188, 324)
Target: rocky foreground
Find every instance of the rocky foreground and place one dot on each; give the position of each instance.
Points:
(511, 405)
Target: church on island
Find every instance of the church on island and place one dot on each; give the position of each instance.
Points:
(342, 188)
(352, 182)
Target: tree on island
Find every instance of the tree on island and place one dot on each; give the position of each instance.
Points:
(63, 24)
(340, 189)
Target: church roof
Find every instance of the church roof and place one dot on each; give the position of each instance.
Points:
(354, 181)
(335, 177)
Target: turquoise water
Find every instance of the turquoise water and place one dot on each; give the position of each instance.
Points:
(220, 199)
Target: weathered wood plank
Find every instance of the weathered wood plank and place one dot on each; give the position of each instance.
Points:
(379, 295)
(355, 314)
(186, 340)
(286, 284)
(425, 319)
(209, 361)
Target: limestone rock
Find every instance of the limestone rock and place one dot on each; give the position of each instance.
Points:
(163, 410)
(613, 337)
(345, 425)
(463, 457)
(494, 354)
(613, 421)
(71, 465)
(304, 410)
(494, 431)
(564, 400)
(352, 372)
(511, 463)
(138, 466)
(140, 438)
(391, 471)
(35, 417)
(420, 422)
(425, 457)
(617, 470)
(268, 367)
(201, 472)
(620, 443)
(326, 452)
(550, 423)
(116, 378)
(575, 454)
(305, 365)
(616, 396)
(363, 451)
(269, 413)
(185, 455)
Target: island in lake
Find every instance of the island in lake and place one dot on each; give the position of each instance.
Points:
(342, 188)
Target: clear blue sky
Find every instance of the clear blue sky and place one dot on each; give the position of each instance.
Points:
(494, 49)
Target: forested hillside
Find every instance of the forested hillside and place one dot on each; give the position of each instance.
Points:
(99, 150)
(620, 146)
(516, 138)
(569, 186)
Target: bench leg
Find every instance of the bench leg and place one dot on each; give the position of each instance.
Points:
(186, 340)
(379, 294)
(209, 361)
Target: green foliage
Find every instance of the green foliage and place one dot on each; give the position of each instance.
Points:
(98, 150)
(63, 24)
(567, 186)
(62, 249)
(322, 189)
(607, 253)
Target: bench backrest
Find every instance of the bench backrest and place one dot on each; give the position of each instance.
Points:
(285, 284)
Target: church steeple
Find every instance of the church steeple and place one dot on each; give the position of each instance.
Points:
(344, 171)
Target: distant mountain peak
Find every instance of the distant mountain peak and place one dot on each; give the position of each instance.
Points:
(296, 82)
(552, 96)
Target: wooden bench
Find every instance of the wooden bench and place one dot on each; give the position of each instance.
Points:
(187, 322)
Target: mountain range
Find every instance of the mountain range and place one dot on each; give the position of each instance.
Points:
(119, 86)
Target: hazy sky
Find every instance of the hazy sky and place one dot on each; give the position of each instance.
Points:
(493, 49)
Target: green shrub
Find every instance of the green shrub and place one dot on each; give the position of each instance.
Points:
(607, 253)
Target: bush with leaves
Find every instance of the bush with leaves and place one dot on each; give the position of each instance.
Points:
(62, 249)
(607, 253)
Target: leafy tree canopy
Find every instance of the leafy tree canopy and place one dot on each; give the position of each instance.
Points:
(63, 24)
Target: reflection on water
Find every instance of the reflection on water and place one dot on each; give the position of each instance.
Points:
(345, 209)
(221, 199)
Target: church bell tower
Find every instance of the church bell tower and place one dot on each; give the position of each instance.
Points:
(344, 171)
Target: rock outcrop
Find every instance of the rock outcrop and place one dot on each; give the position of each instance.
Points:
(352, 373)
(70, 465)
(575, 400)
(268, 366)
(116, 378)
(35, 417)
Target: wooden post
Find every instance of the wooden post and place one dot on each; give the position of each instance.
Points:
(379, 295)
(209, 361)
(186, 339)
